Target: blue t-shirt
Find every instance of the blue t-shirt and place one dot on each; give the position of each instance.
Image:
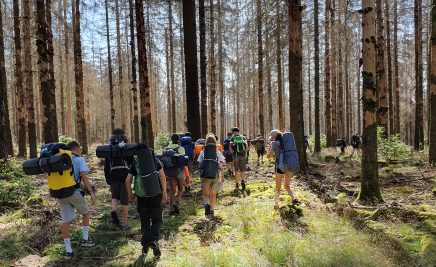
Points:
(79, 165)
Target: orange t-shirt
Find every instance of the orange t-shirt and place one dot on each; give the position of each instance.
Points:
(220, 148)
(197, 150)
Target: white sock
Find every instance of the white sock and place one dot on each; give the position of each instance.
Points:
(85, 232)
(67, 243)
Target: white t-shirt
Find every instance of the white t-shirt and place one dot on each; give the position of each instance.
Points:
(218, 154)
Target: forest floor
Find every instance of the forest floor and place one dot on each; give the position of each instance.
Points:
(332, 231)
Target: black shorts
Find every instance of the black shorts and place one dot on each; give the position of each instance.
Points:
(119, 192)
(279, 171)
(229, 157)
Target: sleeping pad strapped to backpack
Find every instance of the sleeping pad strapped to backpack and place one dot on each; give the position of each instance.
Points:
(288, 157)
(55, 160)
(147, 181)
(172, 162)
(186, 143)
(118, 156)
(209, 164)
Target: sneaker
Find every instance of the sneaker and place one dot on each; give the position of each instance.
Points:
(176, 208)
(207, 210)
(68, 255)
(115, 219)
(87, 243)
(155, 247)
(243, 185)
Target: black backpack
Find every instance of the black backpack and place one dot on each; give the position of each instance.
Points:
(169, 160)
(118, 166)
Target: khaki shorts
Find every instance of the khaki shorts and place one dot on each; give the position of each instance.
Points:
(240, 162)
(216, 185)
(74, 202)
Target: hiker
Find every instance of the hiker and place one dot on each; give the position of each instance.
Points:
(277, 149)
(238, 147)
(150, 189)
(259, 144)
(76, 201)
(227, 154)
(218, 146)
(355, 141)
(115, 171)
(211, 171)
(188, 145)
(341, 144)
(175, 175)
(306, 142)
(198, 147)
(248, 142)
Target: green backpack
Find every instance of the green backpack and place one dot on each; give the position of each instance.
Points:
(239, 144)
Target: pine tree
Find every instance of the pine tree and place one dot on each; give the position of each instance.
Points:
(382, 114)
(419, 117)
(260, 67)
(203, 89)
(432, 141)
(109, 62)
(134, 82)
(316, 44)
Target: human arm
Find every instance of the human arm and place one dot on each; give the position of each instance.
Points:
(129, 180)
(163, 182)
(85, 180)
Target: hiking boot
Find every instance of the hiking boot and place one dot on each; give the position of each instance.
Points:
(207, 210)
(145, 250)
(155, 247)
(87, 243)
(172, 213)
(176, 208)
(243, 185)
(296, 202)
(68, 255)
(115, 219)
(212, 213)
(237, 186)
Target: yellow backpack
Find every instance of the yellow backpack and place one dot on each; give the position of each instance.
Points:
(62, 184)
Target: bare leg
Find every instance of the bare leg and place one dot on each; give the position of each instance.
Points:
(288, 177)
(180, 187)
(212, 198)
(125, 212)
(115, 205)
(279, 178)
(206, 193)
(173, 185)
(66, 228)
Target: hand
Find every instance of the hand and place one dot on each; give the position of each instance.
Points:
(131, 197)
(93, 198)
(164, 198)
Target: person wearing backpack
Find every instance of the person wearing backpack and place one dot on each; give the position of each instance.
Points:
(227, 154)
(116, 170)
(341, 144)
(76, 201)
(150, 190)
(276, 149)
(259, 143)
(238, 147)
(188, 145)
(248, 142)
(211, 172)
(175, 176)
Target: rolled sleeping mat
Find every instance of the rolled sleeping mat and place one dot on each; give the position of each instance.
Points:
(210, 163)
(148, 174)
(56, 163)
(116, 151)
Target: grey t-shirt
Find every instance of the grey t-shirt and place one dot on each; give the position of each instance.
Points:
(275, 146)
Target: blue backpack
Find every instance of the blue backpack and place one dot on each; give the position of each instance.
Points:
(51, 149)
(288, 158)
(186, 143)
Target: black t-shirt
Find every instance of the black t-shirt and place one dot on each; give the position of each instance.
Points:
(133, 167)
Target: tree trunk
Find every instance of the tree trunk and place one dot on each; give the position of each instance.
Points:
(173, 91)
(6, 148)
(109, 62)
(333, 73)
(295, 77)
(212, 94)
(370, 190)
(279, 68)
(220, 71)
(382, 114)
(359, 116)
(419, 119)
(52, 82)
(203, 89)
(260, 67)
(168, 70)
(190, 49)
(328, 103)
(340, 89)
(78, 77)
(28, 79)
(48, 102)
(389, 72)
(397, 125)
(317, 103)
(120, 67)
(134, 82)
(144, 86)
(432, 115)
(19, 88)
(268, 82)
(69, 116)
